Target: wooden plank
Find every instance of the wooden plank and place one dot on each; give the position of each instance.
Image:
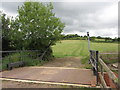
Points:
(93, 58)
(108, 53)
(110, 73)
(101, 86)
(42, 82)
(93, 64)
(102, 81)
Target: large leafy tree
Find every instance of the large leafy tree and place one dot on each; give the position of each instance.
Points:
(36, 26)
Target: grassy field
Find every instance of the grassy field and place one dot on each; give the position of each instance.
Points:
(70, 48)
(67, 48)
(79, 48)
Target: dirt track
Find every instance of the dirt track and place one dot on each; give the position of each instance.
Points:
(65, 62)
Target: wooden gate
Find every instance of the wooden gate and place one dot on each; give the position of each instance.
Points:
(100, 69)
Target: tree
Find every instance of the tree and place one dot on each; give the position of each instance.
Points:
(36, 26)
(99, 37)
(5, 26)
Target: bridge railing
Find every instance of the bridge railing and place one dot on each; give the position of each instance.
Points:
(99, 67)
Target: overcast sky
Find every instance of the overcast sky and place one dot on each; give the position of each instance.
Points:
(98, 18)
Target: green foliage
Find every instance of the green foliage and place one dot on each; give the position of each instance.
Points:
(36, 26)
(5, 26)
(73, 37)
(24, 56)
(92, 38)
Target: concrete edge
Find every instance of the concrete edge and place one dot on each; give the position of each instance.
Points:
(41, 82)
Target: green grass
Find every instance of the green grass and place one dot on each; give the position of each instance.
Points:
(29, 61)
(109, 59)
(99, 39)
(79, 48)
(70, 48)
(105, 47)
(67, 48)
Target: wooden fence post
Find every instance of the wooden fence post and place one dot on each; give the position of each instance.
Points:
(97, 58)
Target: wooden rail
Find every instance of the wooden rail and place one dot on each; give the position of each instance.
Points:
(109, 72)
(94, 62)
(11, 64)
(99, 67)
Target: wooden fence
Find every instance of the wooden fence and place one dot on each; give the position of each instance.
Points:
(33, 54)
(99, 68)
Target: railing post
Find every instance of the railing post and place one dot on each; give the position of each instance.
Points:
(90, 56)
(88, 40)
(97, 58)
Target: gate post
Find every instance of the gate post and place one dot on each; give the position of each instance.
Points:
(97, 58)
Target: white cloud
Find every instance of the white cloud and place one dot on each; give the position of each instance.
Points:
(99, 18)
(109, 14)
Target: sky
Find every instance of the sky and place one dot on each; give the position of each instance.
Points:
(97, 18)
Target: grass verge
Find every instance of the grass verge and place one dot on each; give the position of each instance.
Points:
(26, 57)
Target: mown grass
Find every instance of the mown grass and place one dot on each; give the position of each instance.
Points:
(70, 48)
(79, 48)
(105, 47)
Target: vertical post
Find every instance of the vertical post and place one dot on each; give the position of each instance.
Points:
(88, 40)
(89, 46)
(90, 54)
(97, 58)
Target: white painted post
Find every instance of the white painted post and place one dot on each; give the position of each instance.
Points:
(88, 40)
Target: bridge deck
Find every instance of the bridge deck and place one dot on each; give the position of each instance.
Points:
(52, 74)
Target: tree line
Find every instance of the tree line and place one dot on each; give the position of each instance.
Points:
(92, 38)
